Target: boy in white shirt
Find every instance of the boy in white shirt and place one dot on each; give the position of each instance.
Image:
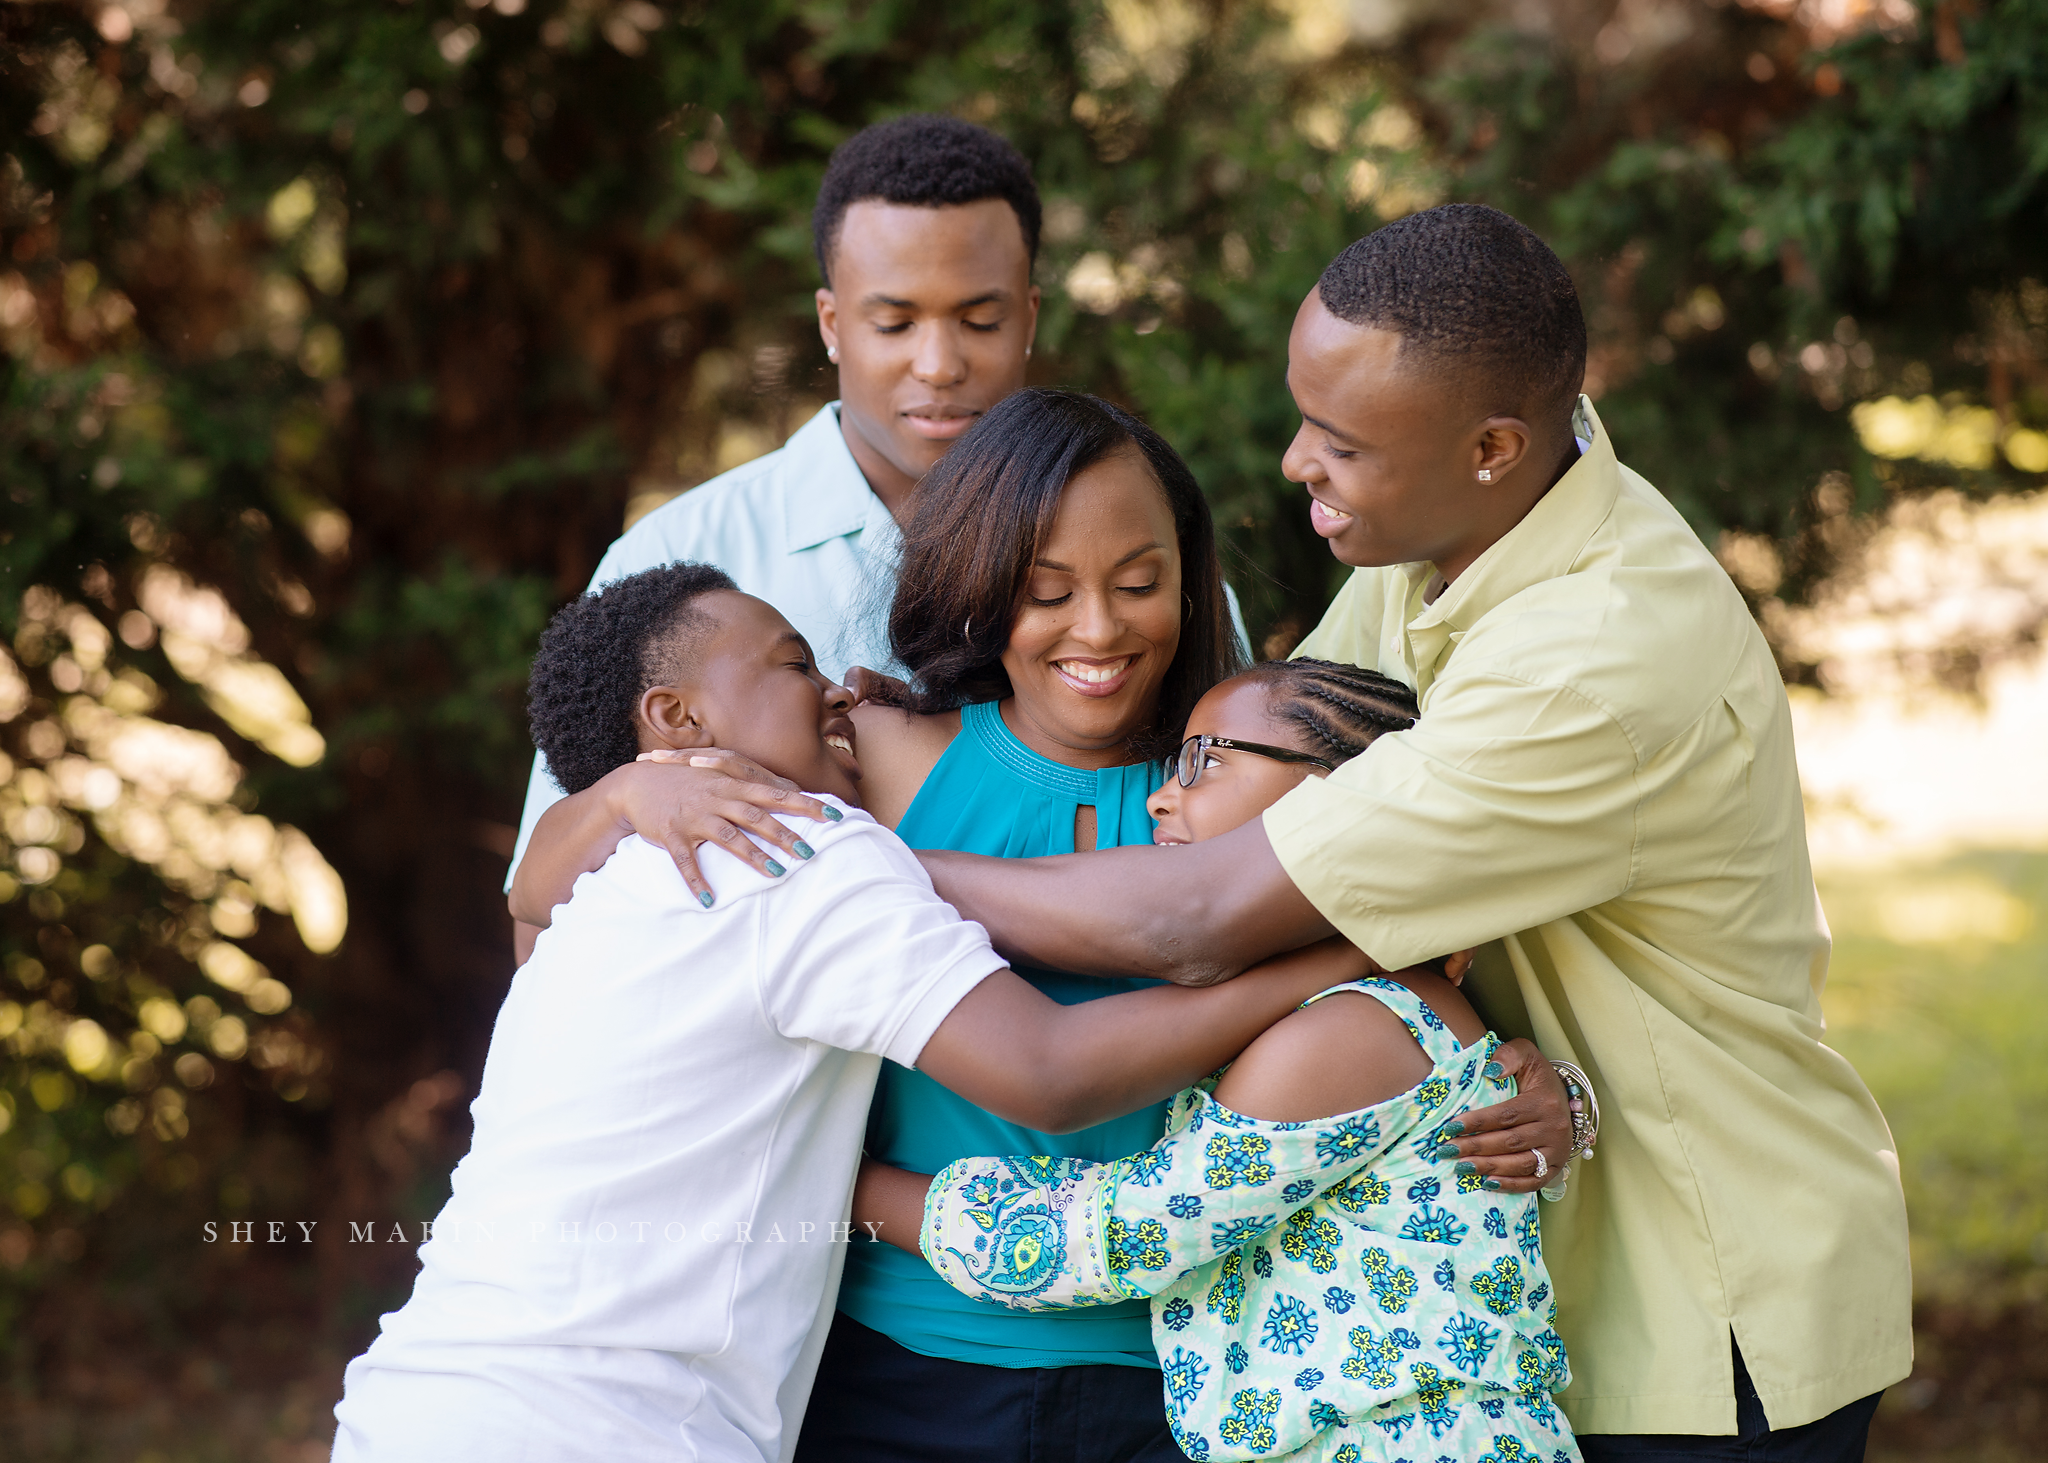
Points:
(641, 1251)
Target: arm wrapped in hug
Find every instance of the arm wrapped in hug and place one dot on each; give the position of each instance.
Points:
(1051, 1233)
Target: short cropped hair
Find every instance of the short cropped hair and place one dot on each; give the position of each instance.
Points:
(597, 657)
(927, 161)
(1474, 296)
(976, 524)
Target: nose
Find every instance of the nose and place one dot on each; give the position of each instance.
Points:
(939, 360)
(1299, 464)
(838, 700)
(1165, 799)
(1096, 624)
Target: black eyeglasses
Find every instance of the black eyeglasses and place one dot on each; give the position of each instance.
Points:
(1187, 763)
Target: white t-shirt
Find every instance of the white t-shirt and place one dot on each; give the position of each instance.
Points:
(642, 1250)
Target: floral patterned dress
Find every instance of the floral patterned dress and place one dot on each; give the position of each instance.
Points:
(1325, 1292)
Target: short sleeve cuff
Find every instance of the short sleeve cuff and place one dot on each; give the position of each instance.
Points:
(1300, 827)
(936, 1004)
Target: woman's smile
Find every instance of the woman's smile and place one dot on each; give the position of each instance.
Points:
(1095, 677)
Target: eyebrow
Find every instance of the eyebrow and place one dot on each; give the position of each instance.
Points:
(1333, 431)
(890, 302)
(1058, 568)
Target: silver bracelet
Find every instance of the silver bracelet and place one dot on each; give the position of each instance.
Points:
(1585, 1108)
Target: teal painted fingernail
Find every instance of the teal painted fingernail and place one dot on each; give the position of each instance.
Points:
(834, 814)
(775, 870)
(1453, 1130)
(804, 850)
(1447, 1150)
(705, 899)
(1491, 1184)
(1495, 1069)
(1468, 1168)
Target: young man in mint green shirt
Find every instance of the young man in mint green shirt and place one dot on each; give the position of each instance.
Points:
(926, 231)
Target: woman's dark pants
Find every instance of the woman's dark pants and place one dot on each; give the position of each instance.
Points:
(878, 1402)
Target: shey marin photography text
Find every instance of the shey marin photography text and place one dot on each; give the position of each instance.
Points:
(540, 1232)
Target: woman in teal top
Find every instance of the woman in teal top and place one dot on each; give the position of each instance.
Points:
(1061, 609)
(992, 794)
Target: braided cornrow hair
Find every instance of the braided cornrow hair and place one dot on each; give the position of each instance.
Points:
(1340, 709)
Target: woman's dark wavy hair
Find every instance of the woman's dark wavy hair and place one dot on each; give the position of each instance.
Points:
(975, 529)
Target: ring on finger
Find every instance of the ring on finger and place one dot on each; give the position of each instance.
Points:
(1542, 1163)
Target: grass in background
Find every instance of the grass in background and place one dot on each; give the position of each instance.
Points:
(1939, 995)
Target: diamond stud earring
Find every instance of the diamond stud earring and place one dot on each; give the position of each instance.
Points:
(1486, 474)
(832, 354)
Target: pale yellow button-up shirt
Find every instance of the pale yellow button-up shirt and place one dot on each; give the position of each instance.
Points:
(1601, 791)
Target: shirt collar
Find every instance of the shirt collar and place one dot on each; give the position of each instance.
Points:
(826, 495)
(1544, 545)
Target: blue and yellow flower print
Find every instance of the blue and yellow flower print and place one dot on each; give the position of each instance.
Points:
(1326, 1292)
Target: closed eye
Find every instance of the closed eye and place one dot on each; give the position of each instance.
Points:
(1046, 604)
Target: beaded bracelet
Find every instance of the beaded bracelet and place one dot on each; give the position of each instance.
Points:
(1585, 1108)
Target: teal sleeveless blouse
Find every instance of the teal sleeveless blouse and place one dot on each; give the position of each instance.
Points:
(991, 794)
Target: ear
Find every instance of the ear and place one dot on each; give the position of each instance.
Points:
(668, 718)
(828, 319)
(1501, 445)
(1031, 301)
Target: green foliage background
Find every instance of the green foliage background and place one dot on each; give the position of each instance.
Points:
(375, 315)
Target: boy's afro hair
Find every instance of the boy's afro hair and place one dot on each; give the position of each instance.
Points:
(924, 160)
(599, 654)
